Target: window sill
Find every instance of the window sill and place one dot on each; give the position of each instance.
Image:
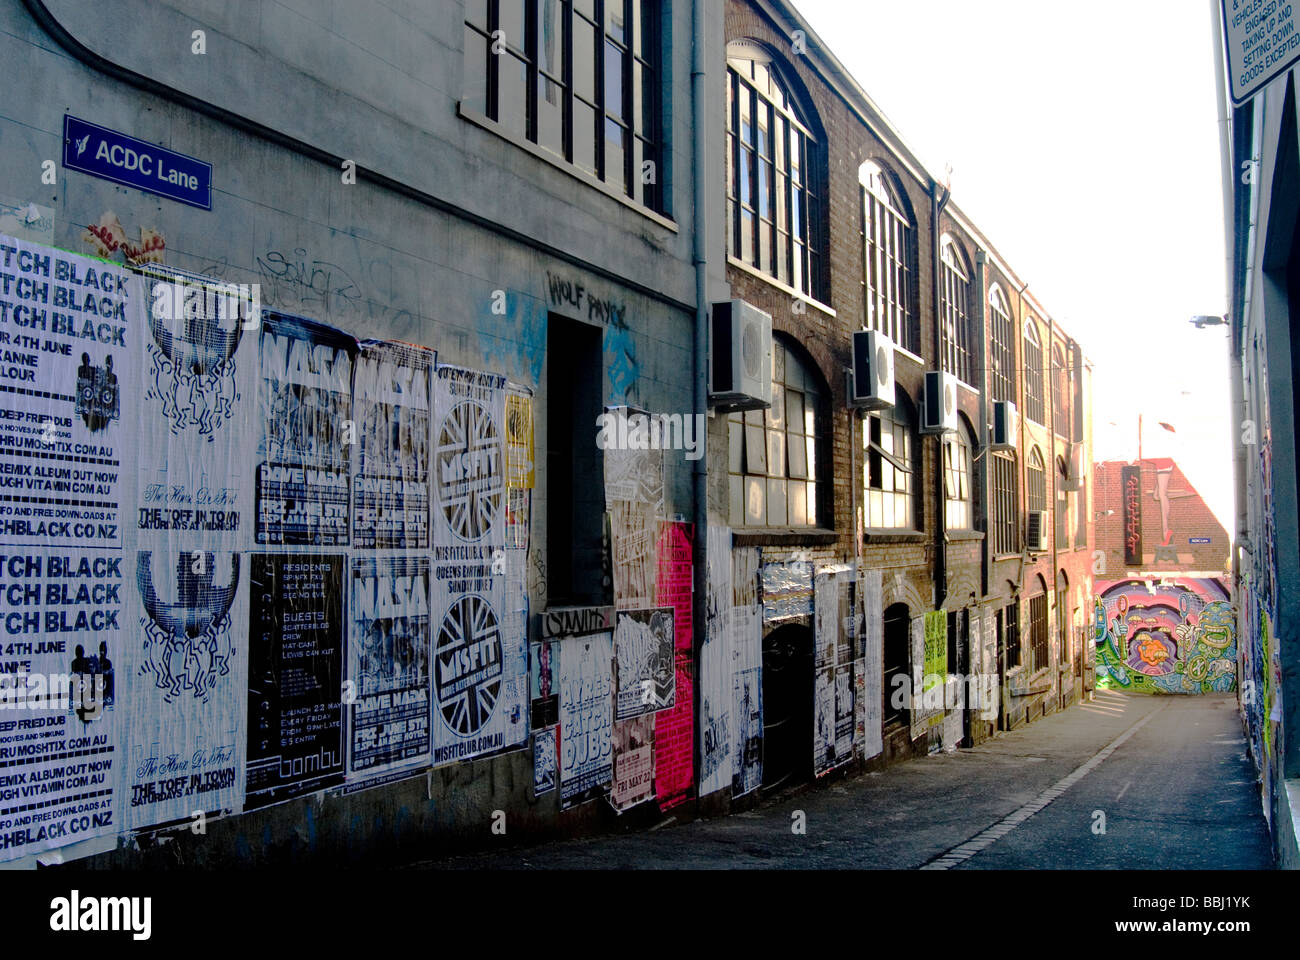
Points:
(958, 536)
(919, 361)
(766, 278)
(479, 120)
(782, 536)
(885, 535)
(1005, 556)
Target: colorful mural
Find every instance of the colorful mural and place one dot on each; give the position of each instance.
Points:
(1175, 636)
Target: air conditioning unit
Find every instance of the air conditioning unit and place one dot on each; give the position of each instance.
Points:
(1003, 436)
(1036, 539)
(872, 385)
(939, 411)
(742, 356)
(1076, 469)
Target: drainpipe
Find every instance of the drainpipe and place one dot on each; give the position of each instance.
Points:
(986, 471)
(699, 218)
(937, 204)
(1054, 504)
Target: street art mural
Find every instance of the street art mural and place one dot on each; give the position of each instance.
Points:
(1173, 636)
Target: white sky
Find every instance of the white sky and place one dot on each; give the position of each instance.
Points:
(1084, 143)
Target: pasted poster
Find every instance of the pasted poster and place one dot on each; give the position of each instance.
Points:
(920, 716)
(586, 717)
(185, 664)
(634, 497)
(543, 682)
(198, 399)
(787, 589)
(305, 450)
(69, 327)
(295, 676)
(391, 394)
(936, 649)
(747, 684)
(823, 718)
(520, 469)
(480, 656)
(62, 697)
(675, 727)
(1131, 499)
(647, 678)
(546, 746)
(872, 688)
(634, 762)
(388, 692)
(716, 688)
(834, 630)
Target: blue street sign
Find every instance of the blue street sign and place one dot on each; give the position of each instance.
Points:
(110, 155)
(1198, 539)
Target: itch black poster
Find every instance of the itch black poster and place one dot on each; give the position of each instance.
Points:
(308, 433)
(388, 690)
(295, 676)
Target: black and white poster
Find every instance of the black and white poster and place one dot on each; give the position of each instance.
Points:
(295, 676)
(195, 421)
(647, 675)
(391, 395)
(586, 717)
(747, 651)
(388, 691)
(543, 682)
(480, 644)
(61, 697)
(186, 660)
(545, 760)
(304, 453)
(68, 329)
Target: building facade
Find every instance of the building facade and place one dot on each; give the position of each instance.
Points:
(1261, 163)
(413, 526)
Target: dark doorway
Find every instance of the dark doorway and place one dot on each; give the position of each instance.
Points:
(897, 665)
(787, 706)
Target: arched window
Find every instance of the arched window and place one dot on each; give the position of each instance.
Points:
(889, 467)
(1060, 392)
(1006, 504)
(958, 345)
(1002, 348)
(774, 460)
(1064, 619)
(1036, 482)
(581, 80)
(774, 174)
(1039, 654)
(957, 481)
(1064, 504)
(888, 249)
(1033, 374)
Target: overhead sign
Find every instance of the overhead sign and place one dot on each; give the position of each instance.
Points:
(114, 156)
(1261, 40)
(1131, 492)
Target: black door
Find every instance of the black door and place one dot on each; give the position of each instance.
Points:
(787, 705)
(897, 665)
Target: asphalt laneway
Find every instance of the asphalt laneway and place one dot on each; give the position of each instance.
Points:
(1177, 793)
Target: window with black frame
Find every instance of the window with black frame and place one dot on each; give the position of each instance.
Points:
(888, 252)
(1040, 655)
(579, 78)
(889, 468)
(1006, 505)
(774, 174)
(958, 345)
(1034, 402)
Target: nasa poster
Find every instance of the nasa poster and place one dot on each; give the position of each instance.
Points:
(480, 648)
(391, 394)
(295, 676)
(388, 691)
(304, 451)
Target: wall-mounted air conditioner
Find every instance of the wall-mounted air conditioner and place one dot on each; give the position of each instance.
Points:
(1003, 434)
(939, 409)
(1036, 536)
(742, 356)
(872, 384)
(1076, 469)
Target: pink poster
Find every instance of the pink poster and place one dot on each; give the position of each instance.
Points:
(674, 728)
